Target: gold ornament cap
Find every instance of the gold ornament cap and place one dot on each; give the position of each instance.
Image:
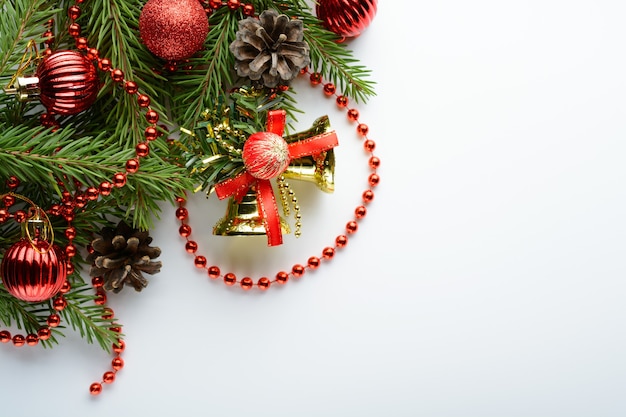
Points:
(25, 88)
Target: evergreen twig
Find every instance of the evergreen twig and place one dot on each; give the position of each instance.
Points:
(87, 318)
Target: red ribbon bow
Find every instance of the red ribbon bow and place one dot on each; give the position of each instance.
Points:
(237, 186)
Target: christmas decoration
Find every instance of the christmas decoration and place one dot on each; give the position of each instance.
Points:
(237, 186)
(244, 218)
(234, 162)
(173, 29)
(112, 158)
(217, 170)
(34, 269)
(271, 48)
(266, 155)
(121, 256)
(346, 18)
(66, 82)
(232, 154)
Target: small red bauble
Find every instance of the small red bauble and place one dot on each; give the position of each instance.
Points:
(346, 18)
(68, 82)
(265, 155)
(173, 29)
(34, 271)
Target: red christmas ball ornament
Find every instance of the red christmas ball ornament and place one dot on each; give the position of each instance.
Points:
(346, 18)
(173, 29)
(66, 82)
(33, 271)
(265, 155)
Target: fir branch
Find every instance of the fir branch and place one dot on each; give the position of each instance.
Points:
(21, 22)
(211, 73)
(11, 232)
(43, 157)
(33, 155)
(295, 6)
(113, 30)
(336, 62)
(87, 318)
(158, 181)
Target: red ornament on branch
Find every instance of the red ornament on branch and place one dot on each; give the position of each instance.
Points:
(173, 29)
(346, 18)
(33, 271)
(65, 82)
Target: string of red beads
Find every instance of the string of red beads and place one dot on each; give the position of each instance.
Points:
(69, 203)
(212, 5)
(151, 132)
(80, 198)
(66, 209)
(117, 363)
(328, 253)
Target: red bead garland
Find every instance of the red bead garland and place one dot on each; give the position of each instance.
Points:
(142, 150)
(117, 363)
(119, 179)
(328, 253)
(70, 203)
(66, 209)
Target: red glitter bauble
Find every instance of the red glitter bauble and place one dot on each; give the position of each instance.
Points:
(173, 29)
(68, 82)
(33, 272)
(265, 155)
(346, 18)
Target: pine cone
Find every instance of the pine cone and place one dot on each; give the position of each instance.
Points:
(271, 48)
(120, 257)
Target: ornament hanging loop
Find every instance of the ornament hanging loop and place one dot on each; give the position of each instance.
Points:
(37, 226)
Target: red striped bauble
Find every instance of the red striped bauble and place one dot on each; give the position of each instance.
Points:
(346, 18)
(33, 272)
(68, 82)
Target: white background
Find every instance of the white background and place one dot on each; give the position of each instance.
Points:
(486, 280)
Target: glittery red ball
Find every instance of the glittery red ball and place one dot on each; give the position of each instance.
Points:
(68, 82)
(173, 29)
(33, 273)
(265, 155)
(347, 18)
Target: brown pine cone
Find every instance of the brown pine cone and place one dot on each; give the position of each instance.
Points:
(270, 47)
(121, 256)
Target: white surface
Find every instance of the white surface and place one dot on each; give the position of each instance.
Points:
(486, 280)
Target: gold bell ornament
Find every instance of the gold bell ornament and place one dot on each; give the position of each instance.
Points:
(306, 156)
(243, 217)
